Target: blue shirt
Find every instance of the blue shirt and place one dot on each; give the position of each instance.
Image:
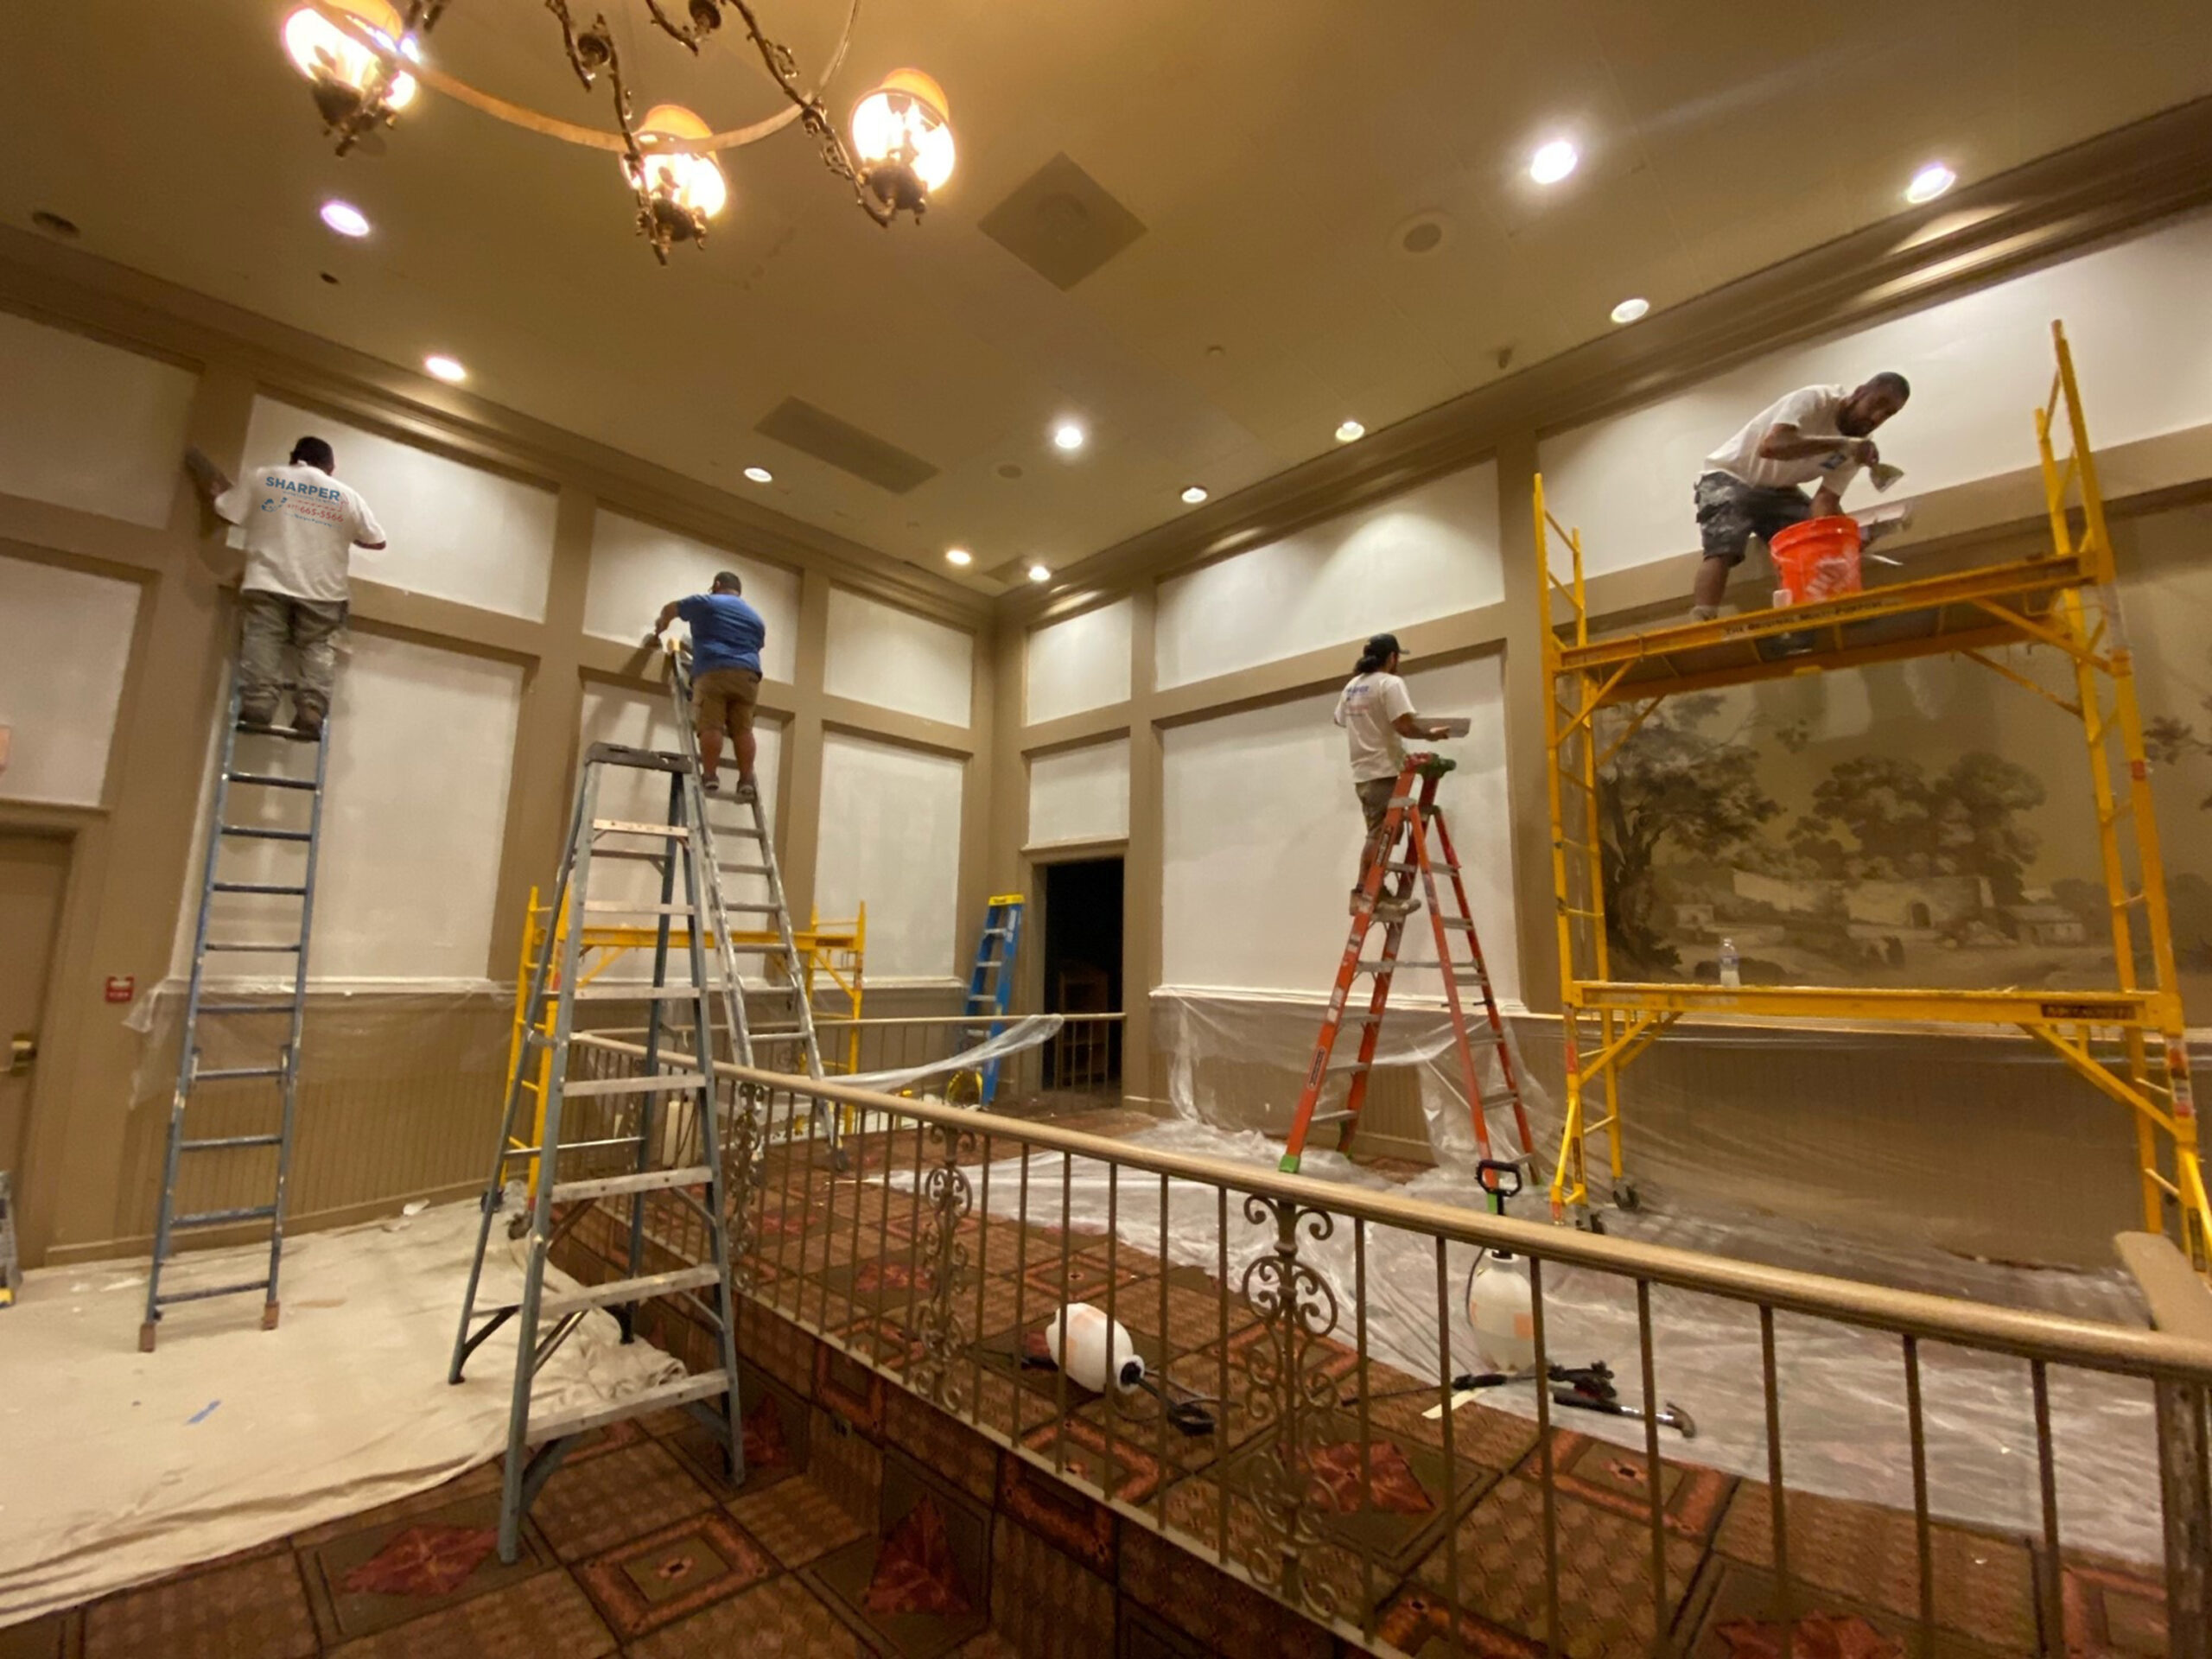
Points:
(726, 633)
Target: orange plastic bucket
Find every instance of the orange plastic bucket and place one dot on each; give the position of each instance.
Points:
(1818, 559)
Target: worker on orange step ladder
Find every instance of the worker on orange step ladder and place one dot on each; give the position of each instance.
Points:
(1407, 838)
(1376, 710)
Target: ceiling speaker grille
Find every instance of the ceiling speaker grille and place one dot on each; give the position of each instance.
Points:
(1061, 224)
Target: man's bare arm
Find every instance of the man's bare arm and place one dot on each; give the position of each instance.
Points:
(667, 615)
(1786, 442)
(212, 480)
(1413, 726)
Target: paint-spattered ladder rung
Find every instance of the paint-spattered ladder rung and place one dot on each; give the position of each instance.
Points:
(663, 1396)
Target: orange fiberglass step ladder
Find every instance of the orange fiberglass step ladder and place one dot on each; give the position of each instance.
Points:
(1412, 820)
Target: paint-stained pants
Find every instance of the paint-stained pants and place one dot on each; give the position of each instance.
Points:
(269, 623)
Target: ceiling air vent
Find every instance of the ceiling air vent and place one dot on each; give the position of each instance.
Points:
(799, 425)
(1061, 224)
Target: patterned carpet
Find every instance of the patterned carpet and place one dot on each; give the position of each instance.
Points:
(870, 1523)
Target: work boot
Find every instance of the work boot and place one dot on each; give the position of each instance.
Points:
(1396, 910)
(257, 713)
(307, 718)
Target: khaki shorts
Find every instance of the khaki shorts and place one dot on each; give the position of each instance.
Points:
(1374, 801)
(724, 700)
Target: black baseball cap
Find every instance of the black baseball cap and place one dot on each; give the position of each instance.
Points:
(1382, 645)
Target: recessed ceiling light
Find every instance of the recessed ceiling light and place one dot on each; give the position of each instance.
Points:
(1069, 435)
(345, 217)
(446, 369)
(1040, 573)
(1630, 310)
(1931, 182)
(1194, 494)
(759, 474)
(958, 555)
(1350, 432)
(1554, 162)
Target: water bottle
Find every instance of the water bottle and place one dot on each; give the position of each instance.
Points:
(1732, 966)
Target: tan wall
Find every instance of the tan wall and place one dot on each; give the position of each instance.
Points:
(1971, 1173)
(401, 1092)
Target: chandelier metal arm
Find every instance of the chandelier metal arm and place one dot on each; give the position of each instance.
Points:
(811, 113)
(552, 126)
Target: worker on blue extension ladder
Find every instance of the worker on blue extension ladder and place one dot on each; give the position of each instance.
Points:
(1377, 710)
(727, 634)
(301, 526)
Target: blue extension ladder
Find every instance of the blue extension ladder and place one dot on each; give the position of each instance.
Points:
(995, 954)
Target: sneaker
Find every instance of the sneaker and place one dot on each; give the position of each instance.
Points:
(1705, 612)
(1394, 910)
(746, 791)
(711, 785)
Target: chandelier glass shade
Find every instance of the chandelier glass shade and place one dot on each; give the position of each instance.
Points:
(364, 60)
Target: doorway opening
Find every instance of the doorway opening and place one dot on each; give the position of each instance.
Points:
(1082, 974)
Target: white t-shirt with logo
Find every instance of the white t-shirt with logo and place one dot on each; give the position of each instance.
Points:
(301, 525)
(1812, 411)
(1368, 709)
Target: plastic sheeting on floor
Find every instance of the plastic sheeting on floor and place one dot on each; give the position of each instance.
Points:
(118, 1467)
(1844, 1427)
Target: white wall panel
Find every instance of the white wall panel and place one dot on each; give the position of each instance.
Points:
(1430, 552)
(893, 659)
(1080, 794)
(890, 839)
(613, 714)
(457, 531)
(637, 568)
(90, 426)
(414, 816)
(65, 643)
(1263, 832)
(1978, 366)
(1082, 663)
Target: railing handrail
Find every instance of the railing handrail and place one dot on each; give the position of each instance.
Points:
(1098, 1018)
(2110, 1348)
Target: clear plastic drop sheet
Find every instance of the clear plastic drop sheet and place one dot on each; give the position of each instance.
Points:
(1961, 1142)
(1845, 1431)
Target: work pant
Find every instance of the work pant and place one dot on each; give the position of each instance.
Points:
(269, 622)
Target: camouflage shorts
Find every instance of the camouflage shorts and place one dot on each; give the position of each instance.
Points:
(1730, 513)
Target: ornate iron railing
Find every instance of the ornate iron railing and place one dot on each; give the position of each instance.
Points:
(937, 1245)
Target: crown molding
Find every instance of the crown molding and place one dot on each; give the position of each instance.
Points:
(88, 294)
(2059, 205)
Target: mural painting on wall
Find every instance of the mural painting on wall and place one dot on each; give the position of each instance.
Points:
(1891, 844)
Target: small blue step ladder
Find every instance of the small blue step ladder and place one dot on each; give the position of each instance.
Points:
(990, 986)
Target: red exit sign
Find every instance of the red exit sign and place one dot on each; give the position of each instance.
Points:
(121, 988)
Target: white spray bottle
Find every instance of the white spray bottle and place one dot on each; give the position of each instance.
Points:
(1084, 1343)
(1501, 1305)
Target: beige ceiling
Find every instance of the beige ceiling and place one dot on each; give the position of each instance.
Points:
(1273, 150)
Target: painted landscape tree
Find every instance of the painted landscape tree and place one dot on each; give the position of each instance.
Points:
(1902, 823)
(1672, 781)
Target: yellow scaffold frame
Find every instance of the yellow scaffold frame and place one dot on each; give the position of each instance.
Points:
(835, 955)
(2128, 1041)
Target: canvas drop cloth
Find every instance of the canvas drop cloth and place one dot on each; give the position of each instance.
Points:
(118, 1467)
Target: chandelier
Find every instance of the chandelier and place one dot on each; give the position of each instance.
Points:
(364, 60)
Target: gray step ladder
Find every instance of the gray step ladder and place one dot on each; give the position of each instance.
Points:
(753, 855)
(626, 1150)
(246, 1018)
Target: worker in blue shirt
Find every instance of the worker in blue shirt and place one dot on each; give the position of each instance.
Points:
(727, 634)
